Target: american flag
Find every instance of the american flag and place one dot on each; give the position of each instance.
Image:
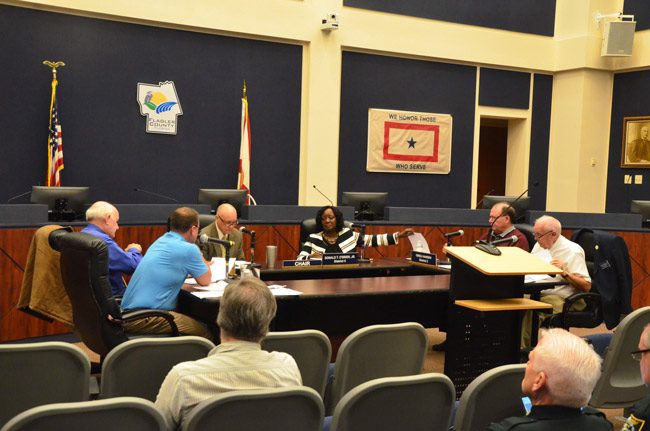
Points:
(54, 143)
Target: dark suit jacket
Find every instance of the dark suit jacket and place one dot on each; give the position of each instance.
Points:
(211, 250)
(612, 276)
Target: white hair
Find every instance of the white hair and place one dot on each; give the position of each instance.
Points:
(99, 210)
(571, 366)
(550, 223)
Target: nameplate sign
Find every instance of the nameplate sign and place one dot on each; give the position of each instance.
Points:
(302, 264)
(425, 259)
(340, 259)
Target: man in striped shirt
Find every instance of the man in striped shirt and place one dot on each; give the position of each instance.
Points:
(245, 313)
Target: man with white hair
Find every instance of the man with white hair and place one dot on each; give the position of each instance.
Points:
(560, 375)
(566, 255)
(641, 410)
(102, 219)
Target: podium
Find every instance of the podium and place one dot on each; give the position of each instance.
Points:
(485, 309)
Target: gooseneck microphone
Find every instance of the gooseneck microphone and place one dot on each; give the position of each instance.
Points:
(246, 231)
(13, 198)
(453, 234)
(479, 203)
(509, 239)
(323, 194)
(204, 239)
(136, 189)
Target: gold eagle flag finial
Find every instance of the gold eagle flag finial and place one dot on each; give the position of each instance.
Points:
(53, 65)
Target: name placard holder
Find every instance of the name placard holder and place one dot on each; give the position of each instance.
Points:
(423, 259)
(339, 259)
(302, 264)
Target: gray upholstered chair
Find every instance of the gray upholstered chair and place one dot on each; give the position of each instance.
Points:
(275, 409)
(123, 413)
(620, 384)
(41, 373)
(377, 351)
(310, 348)
(491, 397)
(138, 367)
(421, 402)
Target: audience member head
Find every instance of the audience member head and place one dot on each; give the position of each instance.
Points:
(562, 370)
(502, 216)
(547, 231)
(246, 310)
(226, 218)
(185, 221)
(329, 218)
(644, 357)
(105, 216)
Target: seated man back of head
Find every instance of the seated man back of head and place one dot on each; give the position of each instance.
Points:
(560, 376)
(245, 313)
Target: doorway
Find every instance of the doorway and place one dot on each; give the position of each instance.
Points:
(492, 158)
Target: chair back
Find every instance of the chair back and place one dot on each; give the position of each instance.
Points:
(124, 413)
(585, 238)
(415, 403)
(620, 384)
(138, 367)
(378, 351)
(491, 397)
(205, 220)
(41, 373)
(275, 409)
(84, 270)
(528, 232)
(311, 350)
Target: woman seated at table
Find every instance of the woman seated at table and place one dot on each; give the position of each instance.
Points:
(334, 237)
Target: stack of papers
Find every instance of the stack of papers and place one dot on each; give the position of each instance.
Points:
(215, 290)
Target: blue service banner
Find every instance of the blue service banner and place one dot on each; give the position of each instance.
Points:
(339, 258)
(425, 258)
(301, 263)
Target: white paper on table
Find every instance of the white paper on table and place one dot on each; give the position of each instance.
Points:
(544, 255)
(218, 267)
(419, 243)
(215, 290)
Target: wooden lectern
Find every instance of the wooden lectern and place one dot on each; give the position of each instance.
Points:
(486, 305)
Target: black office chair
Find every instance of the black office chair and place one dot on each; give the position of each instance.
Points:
(97, 318)
(528, 232)
(609, 267)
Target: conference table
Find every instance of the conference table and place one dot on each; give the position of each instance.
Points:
(340, 301)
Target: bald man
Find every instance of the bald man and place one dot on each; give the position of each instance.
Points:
(102, 219)
(224, 227)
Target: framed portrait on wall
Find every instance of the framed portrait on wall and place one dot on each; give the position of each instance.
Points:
(635, 152)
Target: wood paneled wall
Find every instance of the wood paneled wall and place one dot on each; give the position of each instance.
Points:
(14, 247)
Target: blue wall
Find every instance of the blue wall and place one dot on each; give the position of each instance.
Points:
(526, 16)
(104, 139)
(371, 81)
(629, 100)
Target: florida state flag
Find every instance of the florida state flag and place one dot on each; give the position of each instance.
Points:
(408, 142)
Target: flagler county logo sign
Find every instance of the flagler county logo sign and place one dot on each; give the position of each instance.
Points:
(159, 103)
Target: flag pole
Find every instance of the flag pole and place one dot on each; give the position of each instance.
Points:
(54, 155)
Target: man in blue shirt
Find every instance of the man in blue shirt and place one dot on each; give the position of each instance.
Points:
(102, 219)
(162, 272)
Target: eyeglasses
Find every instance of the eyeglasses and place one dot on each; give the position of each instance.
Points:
(537, 236)
(228, 223)
(638, 354)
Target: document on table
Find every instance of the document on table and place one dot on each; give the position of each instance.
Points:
(545, 255)
(218, 267)
(419, 243)
(215, 290)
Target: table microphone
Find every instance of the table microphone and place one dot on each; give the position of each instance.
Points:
(510, 239)
(324, 195)
(204, 238)
(155, 194)
(242, 229)
(13, 198)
